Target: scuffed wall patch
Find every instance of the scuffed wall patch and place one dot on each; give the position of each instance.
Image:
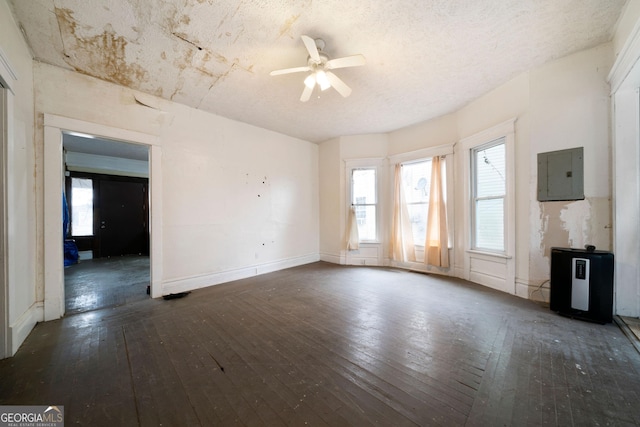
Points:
(553, 233)
(575, 218)
(570, 225)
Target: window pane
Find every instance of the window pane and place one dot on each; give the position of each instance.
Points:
(81, 207)
(363, 197)
(364, 186)
(418, 217)
(416, 181)
(490, 171)
(489, 231)
(366, 216)
(416, 178)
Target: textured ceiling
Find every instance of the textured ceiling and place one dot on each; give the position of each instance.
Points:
(425, 58)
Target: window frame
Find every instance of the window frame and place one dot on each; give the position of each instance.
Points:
(474, 197)
(504, 130)
(360, 164)
(421, 155)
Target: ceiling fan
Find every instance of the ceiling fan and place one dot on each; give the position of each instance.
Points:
(320, 66)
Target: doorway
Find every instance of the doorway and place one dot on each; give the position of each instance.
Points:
(106, 248)
(53, 266)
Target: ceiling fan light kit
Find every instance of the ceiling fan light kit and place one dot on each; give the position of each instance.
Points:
(319, 64)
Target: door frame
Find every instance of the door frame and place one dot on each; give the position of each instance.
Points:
(54, 127)
(5, 349)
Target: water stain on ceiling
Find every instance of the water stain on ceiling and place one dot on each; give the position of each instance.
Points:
(102, 55)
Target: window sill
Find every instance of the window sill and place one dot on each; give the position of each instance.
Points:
(490, 254)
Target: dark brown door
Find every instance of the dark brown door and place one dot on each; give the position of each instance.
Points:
(123, 218)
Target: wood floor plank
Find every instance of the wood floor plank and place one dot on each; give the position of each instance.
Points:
(360, 366)
(247, 373)
(411, 376)
(319, 364)
(161, 398)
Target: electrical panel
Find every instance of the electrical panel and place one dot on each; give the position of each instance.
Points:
(561, 175)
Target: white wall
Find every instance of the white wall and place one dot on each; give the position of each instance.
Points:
(331, 205)
(439, 131)
(237, 200)
(560, 105)
(16, 71)
(570, 108)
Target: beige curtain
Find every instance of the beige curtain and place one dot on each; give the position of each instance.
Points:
(401, 247)
(353, 238)
(436, 251)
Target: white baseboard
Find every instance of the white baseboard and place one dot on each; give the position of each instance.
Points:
(21, 328)
(186, 284)
(493, 282)
(332, 258)
(522, 289)
(286, 263)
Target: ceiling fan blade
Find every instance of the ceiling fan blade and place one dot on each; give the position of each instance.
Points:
(347, 61)
(310, 44)
(289, 70)
(338, 84)
(306, 93)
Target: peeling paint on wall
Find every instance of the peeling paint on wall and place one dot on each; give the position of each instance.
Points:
(553, 233)
(572, 224)
(575, 217)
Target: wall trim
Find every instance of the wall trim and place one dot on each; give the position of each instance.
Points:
(6, 65)
(627, 58)
(96, 129)
(332, 258)
(5, 123)
(185, 284)
(423, 153)
(21, 328)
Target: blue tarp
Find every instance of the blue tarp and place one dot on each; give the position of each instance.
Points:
(70, 248)
(70, 253)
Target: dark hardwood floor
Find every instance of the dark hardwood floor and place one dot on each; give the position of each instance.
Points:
(106, 282)
(324, 344)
